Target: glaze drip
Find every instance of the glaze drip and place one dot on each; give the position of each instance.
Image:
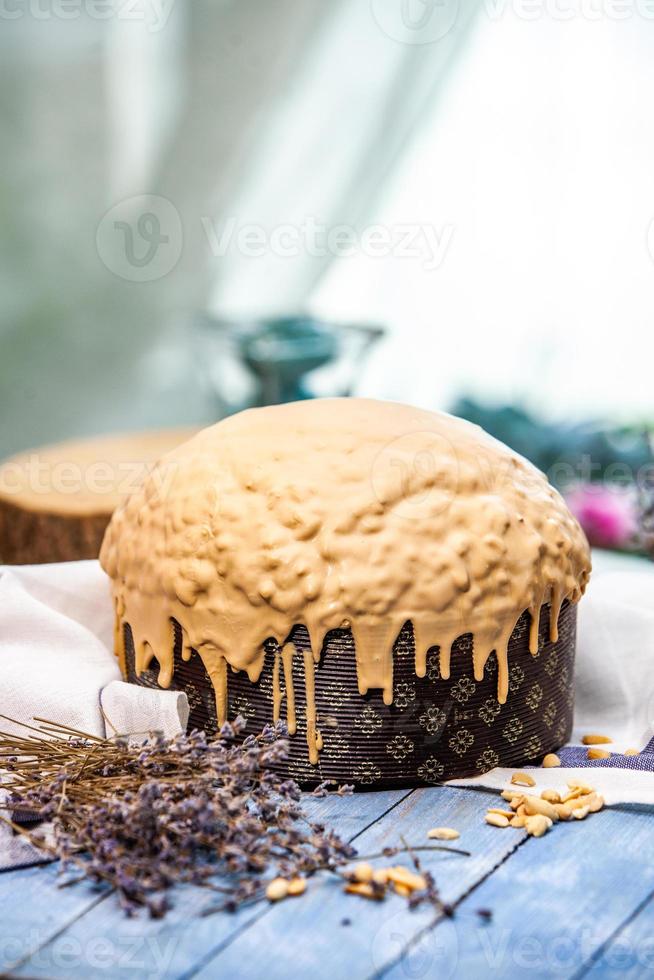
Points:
(338, 513)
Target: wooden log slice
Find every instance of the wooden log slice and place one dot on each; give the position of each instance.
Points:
(56, 501)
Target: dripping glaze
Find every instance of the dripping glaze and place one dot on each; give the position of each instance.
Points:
(338, 513)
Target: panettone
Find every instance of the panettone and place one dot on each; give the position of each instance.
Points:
(395, 584)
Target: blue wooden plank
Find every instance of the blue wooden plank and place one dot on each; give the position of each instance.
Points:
(33, 908)
(554, 903)
(309, 937)
(104, 942)
(629, 955)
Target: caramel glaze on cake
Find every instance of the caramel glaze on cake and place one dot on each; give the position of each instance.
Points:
(338, 513)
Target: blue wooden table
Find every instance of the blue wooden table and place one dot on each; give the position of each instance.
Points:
(576, 902)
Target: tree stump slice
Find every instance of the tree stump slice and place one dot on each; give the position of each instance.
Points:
(56, 501)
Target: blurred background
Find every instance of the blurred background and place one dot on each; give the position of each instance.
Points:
(206, 204)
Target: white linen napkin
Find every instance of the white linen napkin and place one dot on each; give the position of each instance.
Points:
(57, 663)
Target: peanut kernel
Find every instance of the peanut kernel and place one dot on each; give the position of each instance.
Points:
(362, 871)
(443, 833)
(496, 820)
(364, 889)
(537, 825)
(595, 802)
(276, 889)
(534, 805)
(510, 794)
(522, 779)
(400, 875)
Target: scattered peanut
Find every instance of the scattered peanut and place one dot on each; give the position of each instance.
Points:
(631, 752)
(496, 820)
(595, 802)
(582, 787)
(510, 794)
(534, 805)
(401, 889)
(538, 813)
(551, 761)
(522, 779)
(400, 875)
(362, 871)
(443, 833)
(538, 825)
(596, 740)
(574, 794)
(380, 876)
(598, 754)
(579, 802)
(297, 886)
(364, 889)
(277, 889)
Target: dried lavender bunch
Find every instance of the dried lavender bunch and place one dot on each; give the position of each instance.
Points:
(145, 817)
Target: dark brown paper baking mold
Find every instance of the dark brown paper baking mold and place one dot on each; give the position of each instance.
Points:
(434, 730)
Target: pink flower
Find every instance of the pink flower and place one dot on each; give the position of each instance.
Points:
(608, 515)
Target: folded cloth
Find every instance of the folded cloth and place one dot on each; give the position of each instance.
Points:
(132, 710)
(56, 640)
